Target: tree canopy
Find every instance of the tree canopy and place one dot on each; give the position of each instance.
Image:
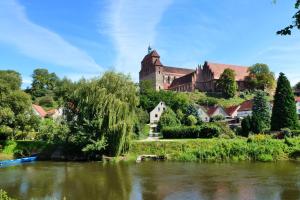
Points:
(284, 109)
(261, 78)
(101, 113)
(295, 24)
(227, 84)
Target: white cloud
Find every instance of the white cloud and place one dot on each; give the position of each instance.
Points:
(283, 56)
(132, 25)
(38, 42)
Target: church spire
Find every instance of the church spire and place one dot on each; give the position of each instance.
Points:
(149, 49)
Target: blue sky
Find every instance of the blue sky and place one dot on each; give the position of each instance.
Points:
(86, 37)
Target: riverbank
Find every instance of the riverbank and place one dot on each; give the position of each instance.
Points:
(255, 148)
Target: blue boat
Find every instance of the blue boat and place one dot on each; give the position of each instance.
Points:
(6, 163)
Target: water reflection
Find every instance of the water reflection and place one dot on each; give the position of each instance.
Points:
(152, 180)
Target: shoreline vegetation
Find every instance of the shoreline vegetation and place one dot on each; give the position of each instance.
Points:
(254, 148)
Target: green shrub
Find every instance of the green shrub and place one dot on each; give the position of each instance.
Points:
(4, 196)
(217, 118)
(191, 120)
(206, 130)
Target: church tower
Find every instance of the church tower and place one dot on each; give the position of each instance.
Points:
(151, 69)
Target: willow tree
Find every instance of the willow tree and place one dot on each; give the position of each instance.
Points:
(101, 113)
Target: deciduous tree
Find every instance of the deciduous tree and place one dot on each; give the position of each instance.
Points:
(227, 84)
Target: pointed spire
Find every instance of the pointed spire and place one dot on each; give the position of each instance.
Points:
(149, 49)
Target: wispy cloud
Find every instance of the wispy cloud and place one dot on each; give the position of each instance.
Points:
(283, 56)
(132, 26)
(39, 43)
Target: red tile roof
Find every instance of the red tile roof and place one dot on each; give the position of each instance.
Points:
(241, 72)
(246, 106)
(177, 70)
(231, 110)
(183, 80)
(39, 110)
(297, 99)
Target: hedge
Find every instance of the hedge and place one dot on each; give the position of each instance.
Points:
(206, 130)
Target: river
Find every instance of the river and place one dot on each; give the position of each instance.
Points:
(152, 180)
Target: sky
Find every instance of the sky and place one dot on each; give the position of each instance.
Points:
(85, 38)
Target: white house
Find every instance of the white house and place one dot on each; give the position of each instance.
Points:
(214, 111)
(55, 113)
(298, 105)
(157, 112)
(232, 111)
(245, 109)
(202, 112)
(155, 116)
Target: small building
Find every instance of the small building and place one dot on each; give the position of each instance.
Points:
(245, 109)
(39, 111)
(155, 116)
(55, 113)
(214, 111)
(232, 111)
(202, 112)
(298, 105)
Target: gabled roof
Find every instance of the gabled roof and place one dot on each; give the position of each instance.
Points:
(231, 110)
(246, 106)
(217, 69)
(39, 110)
(183, 80)
(178, 70)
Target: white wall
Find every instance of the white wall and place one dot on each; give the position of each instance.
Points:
(243, 114)
(203, 115)
(298, 108)
(157, 112)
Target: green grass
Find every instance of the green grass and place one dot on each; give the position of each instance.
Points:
(257, 148)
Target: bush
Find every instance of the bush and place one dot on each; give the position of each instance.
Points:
(191, 120)
(246, 126)
(217, 118)
(4, 196)
(168, 118)
(46, 101)
(206, 130)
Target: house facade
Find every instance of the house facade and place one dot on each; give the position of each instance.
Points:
(298, 105)
(245, 109)
(202, 78)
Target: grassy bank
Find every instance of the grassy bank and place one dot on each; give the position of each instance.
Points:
(257, 148)
(22, 148)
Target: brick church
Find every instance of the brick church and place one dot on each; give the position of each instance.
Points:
(203, 78)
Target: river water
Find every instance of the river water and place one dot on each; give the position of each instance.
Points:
(152, 180)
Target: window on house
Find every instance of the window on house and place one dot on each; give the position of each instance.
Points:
(156, 115)
(164, 108)
(158, 108)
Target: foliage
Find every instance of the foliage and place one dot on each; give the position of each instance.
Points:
(227, 84)
(297, 86)
(4, 195)
(261, 114)
(296, 23)
(246, 126)
(191, 120)
(168, 118)
(258, 148)
(43, 82)
(103, 109)
(52, 131)
(284, 109)
(206, 130)
(46, 102)
(217, 118)
(16, 116)
(261, 78)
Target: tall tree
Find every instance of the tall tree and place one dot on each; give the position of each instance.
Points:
(11, 78)
(297, 86)
(101, 113)
(43, 82)
(284, 109)
(261, 78)
(227, 84)
(296, 23)
(261, 114)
